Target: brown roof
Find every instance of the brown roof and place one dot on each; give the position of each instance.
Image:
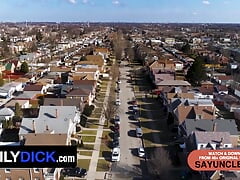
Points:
(86, 70)
(79, 92)
(102, 50)
(33, 87)
(15, 174)
(61, 102)
(60, 69)
(45, 139)
(190, 112)
(180, 95)
(206, 91)
(84, 82)
(224, 78)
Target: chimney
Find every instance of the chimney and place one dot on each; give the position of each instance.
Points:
(56, 113)
(33, 126)
(214, 127)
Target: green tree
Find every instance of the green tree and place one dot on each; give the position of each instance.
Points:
(186, 48)
(1, 81)
(24, 67)
(197, 72)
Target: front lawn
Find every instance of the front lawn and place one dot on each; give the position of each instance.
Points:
(88, 138)
(103, 165)
(84, 163)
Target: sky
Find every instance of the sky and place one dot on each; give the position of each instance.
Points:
(161, 11)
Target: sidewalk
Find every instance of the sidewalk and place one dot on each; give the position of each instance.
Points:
(92, 174)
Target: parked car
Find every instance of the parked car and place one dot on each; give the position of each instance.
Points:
(116, 127)
(141, 152)
(116, 119)
(135, 108)
(139, 132)
(119, 81)
(115, 143)
(77, 172)
(116, 154)
(118, 102)
(116, 135)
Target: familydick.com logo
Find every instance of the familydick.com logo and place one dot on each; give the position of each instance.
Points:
(38, 156)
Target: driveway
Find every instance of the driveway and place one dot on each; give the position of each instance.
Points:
(130, 164)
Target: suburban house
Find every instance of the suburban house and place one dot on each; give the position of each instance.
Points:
(206, 90)
(84, 95)
(168, 86)
(96, 59)
(82, 73)
(210, 140)
(23, 104)
(173, 96)
(52, 120)
(104, 52)
(64, 102)
(189, 126)
(29, 173)
(183, 112)
(32, 139)
(7, 90)
(6, 114)
(40, 89)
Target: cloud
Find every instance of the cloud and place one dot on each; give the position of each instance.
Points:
(72, 1)
(116, 2)
(194, 13)
(206, 2)
(226, 2)
(85, 1)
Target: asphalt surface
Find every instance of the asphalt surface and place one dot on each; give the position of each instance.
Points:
(130, 165)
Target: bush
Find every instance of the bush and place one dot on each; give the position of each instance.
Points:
(83, 121)
(88, 110)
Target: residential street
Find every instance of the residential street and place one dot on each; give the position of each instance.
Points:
(130, 165)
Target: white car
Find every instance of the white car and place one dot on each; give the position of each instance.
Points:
(118, 102)
(116, 154)
(141, 152)
(117, 119)
(135, 107)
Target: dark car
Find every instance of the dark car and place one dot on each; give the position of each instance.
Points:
(77, 172)
(116, 127)
(116, 136)
(115, 143)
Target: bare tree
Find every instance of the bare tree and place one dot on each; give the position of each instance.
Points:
(160, 163)
(119, 43)
(110, 109)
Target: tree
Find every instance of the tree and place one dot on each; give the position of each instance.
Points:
(18, 110)
(186, 48)
(109, 109)
(33, 47)
(24, 67)
(196, 73)
(159, 163)
(39, 36)
(1, 81)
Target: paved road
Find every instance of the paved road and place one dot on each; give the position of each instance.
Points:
(130, 165)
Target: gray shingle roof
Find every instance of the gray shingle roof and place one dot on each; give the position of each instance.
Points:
(222, 125)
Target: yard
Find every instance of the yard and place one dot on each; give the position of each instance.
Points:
(83, 163)
(103, 165)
